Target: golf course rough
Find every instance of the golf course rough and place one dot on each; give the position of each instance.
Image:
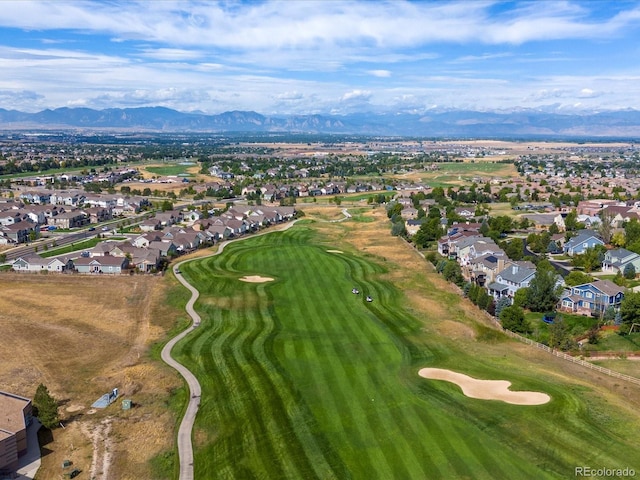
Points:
(301, 379)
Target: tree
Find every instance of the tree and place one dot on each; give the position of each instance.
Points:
(515, 249)
(577, 277)
(618, 239)
(46, 407)
(605, 227)
(520, 297)
(512, 318)
(629, 311)
(501, 304)
(632, 231)
(428, 232)
(543, 291)
(571, 223)
(629, 271)
(559, 335)
(393, 208)
(591, 259)
(452, 272)
(398, 229)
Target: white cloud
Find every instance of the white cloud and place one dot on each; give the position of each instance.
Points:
(356, 95)
(380, 73)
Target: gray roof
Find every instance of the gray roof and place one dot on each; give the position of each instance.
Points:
(516, 274)
(582, 237)
(498, 287)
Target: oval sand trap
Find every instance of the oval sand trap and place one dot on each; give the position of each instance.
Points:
(256, 279)
(485, 389)
(335, 251)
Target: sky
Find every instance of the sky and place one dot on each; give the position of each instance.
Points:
(320, 57)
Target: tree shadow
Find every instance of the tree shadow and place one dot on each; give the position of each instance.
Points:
(45, 437)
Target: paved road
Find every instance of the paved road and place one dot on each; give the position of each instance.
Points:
(185, 447)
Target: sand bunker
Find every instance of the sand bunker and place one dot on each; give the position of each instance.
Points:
(486, 389)
(256, 279)
(335, 251)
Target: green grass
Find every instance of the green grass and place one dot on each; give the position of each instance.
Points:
(301, 379)
(170, 170)
(611, 341)
(578, 325)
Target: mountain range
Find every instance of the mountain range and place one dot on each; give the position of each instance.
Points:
(452, 123)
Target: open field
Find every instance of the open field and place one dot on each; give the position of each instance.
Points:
(303, 379)
(82, 336)
(167, 170)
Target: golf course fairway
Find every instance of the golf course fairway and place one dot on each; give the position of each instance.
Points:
(302, 379)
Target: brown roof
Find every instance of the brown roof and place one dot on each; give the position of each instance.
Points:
(12, 412)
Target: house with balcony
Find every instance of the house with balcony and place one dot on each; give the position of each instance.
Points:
(507, 282)
(592, 298)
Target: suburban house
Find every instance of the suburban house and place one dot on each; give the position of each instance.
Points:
(71, 219)
(485, 268)
(18, 232)
(106, 264)
(413, 226)
(617, 260)
(35, 263)
(511, 279)
(592, 298)
(580, 243)
(15, 418)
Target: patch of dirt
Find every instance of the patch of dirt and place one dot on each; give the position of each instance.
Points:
(74, 408)
(99, 435)
(486, 389)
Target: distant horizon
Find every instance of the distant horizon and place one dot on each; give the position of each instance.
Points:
(316, 57)
(546, 109)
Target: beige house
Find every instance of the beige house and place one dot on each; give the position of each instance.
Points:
(14, 420)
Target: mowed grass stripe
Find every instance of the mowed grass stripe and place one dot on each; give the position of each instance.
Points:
(328, 392)
(362, 413)
(300, 420)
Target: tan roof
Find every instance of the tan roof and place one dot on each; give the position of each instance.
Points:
(12, 412)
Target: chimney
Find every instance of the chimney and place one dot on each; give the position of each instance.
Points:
(514, 269)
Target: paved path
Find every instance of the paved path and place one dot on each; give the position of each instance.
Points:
(185, 447)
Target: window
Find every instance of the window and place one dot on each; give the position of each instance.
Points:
(588, 295)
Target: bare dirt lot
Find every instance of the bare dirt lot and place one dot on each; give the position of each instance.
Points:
(83, 336)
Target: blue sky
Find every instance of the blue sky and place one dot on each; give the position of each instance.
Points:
(331, 56)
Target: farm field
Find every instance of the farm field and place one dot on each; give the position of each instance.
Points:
(303, 379)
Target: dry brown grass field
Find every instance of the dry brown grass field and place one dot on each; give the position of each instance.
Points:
(82, 336)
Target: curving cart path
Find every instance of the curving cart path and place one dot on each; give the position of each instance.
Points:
(185, 447)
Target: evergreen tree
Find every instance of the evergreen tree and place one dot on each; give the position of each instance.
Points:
(543, 293)
(46, 407)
